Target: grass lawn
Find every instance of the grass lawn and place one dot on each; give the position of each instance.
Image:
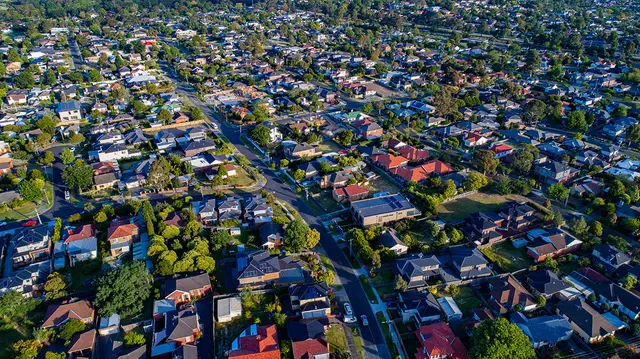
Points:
(244, 238)
(241, 178)
(386, 333)
(28, 210)
(327, 202)
(328, 146)
(368, 289)
(385, 289)
(568, 267)
(466, 300)
(383, 276)
(337, 339)
(382, 184)
(477, 202)
(507, 256)
(411, 345)
(357, 342)
(327, 264)
(354, 262)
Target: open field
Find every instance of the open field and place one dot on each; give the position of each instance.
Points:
(478, 202)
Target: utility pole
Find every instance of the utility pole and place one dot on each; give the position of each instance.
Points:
(38, 215)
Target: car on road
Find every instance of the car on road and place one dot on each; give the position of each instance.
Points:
(67, 195)
(365, 322)
(73, 148)
(348, 313)
(30, 223)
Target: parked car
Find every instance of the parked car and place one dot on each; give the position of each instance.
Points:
(365, 322)
(348, 313)
(67, 196)
(30, 223)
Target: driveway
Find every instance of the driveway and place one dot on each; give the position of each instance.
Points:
(204, 308)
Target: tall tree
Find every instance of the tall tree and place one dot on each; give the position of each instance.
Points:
(295, 237)
(78, 175)
(124, 290)
(486, 161)
(160, 173)
(499, 339)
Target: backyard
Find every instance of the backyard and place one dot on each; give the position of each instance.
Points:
(381, 183)
(478, 202)
(327, 146)
(466, 299)
(326, 201)
(508, 257)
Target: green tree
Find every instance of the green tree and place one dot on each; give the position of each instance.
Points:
(298, 174)
(475, 181)
(68, 329)
(134, 339)
(499, 339)
(67, 156)
(577, 121)
(13, 305)
(47, 124)
(295, 237)
(196, 114)
(27, 349)
(78, 175)
(557, 191)
(261, 134)
(596, 228)
(94, 75)
(124, 290)
(633, 133)
(445, 103)
(522, 161)
(345, 137)
(629, 282)
(46, 159)
(160, 173)
(485, 161)
(534, 111)
(55, 286)
(31, 190)
(24, 80)
(55, 355)
(400, 284)
(164, 116)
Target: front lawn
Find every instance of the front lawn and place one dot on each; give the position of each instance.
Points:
(466, 300)
(337, 339)
(326, 201)
(354, 262)
(383, 276)
(241, 179)
(368, 289)
(508, 257)
(478, 202)
(386, 333)
(357, 342)
(382, 184)
(385, 289)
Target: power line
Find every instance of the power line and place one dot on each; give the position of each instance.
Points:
(597, 353)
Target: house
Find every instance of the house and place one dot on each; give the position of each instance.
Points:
(274, 133)
(517, 215)
(544, 330)
(419, 306)
(228, 309)
(501, 150)
(32, 245)
(589, 281)
(81, 244)
(552, 243)
(207, 212)
(257, 209)
(311, 349)
(194, 148)
(479, 316)
(418, 269)
(82, 344)
(391, 240)
(304, 329)
(468, 263)
(586, 322)
(69, 111)
(104, 181)
(368, 130)
(437, 341)
(610, 257)
(388, 161)
(475, 139)
(121, 236)
(450, 308)
(187, 289)
(381, 210)
(28, 281)
(300, 150)
(350, 193)
(229, 208)
(259, 269)
(256, 342)
(114, 152)
(553, 172)
(58, 314)
(271, 235)
(507, 294)
(173, 327)
(546, 283)
(310, 300)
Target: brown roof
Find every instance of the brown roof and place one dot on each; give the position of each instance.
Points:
(59, 313)
(82, 341)
(79, 233)
(510, 292)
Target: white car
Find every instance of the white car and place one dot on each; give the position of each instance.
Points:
(365, 322)
(348, 313)
(67, 195)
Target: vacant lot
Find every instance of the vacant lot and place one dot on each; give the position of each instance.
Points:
(508, 257)
(382, 183)
(337, 339)
(478, 202)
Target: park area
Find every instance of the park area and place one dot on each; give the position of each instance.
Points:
(508, 257)
(461, 208)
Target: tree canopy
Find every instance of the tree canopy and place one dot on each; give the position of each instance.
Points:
(123, 290)
(499, 339)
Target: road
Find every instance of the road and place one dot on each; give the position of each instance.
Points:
(375, 346)
(76, 57)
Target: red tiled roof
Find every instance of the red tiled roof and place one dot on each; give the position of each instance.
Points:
(438, 340)
(119, 230)
(263, 345)
(499, 148)
(355, 190)
(410, 173)
(308, 349)
(413, 153)
(83, 341)
(438, 167)
(79, 233)
(389, 161)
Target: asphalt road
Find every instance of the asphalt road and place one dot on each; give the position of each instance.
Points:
(375, 346)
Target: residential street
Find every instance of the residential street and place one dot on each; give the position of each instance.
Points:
(375, 346)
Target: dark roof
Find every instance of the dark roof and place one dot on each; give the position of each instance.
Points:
(268, 229)
(611, 254)
(425, 303)
(182, 323)
(381, 205)
(134, 353)
(584, 316)
(309, 291)
(307, 328)
(186, 351)
(104, 178)
(187, 284)
(390, 238)
(69, 106)
(545, 329)
(546, 282)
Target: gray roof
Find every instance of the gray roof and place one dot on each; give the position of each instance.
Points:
(546, 282)
(187, 284)
(268, 229)
(186, 351)
(425, 303)
(105, 178)
(69, 106)
(381, 205)
(584, 316)
(229, 306)
(390, 238)
(181, 324)
(545, 329)
(611, 254)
